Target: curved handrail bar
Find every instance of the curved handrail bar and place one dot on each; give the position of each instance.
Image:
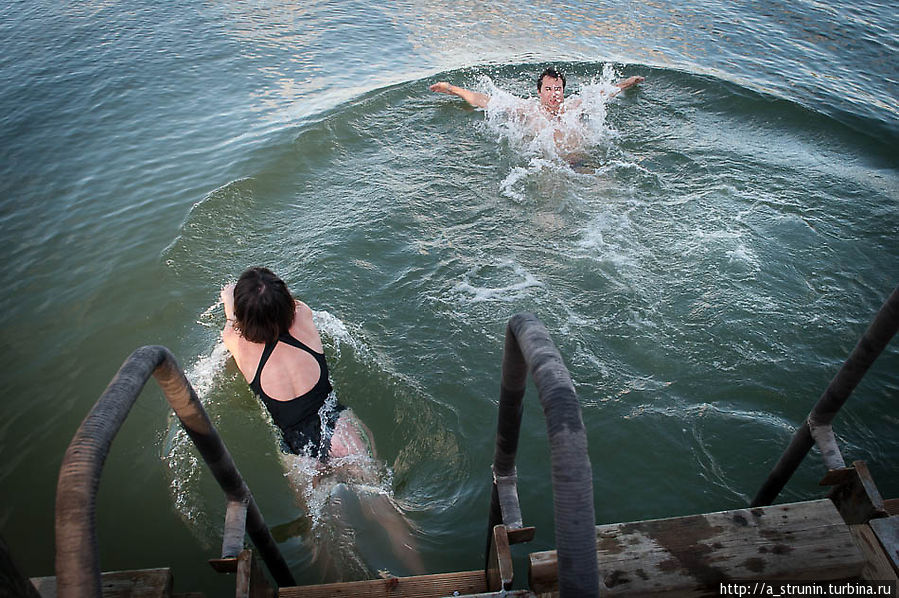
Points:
(528, 348)
(77, 563)
(872, 343)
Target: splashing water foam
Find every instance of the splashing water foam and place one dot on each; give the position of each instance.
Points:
(475, 285)
(562, 143)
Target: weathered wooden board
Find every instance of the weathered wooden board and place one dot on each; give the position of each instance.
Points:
(877, 565)
(887, 531)
(691, 556)
(421, 586)
(140, 583)
(250, 581)
(499, 561)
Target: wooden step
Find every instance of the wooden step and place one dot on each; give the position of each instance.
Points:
(140, 583)
(877, 562)
(420, 586)
(887, 532)
(691, 556)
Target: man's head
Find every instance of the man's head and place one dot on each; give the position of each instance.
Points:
(552, 74)
(551, 89)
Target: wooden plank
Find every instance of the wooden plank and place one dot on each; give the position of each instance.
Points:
(690, 556)
(887, 531)
(420, 586)
(520, 535)
(877, 565)
(250, 581)
(499, 562)
(855, 494)
(139, 583)
(892, 506)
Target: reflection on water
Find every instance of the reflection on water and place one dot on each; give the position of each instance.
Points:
(722, 39)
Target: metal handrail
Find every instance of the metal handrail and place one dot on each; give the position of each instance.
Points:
(817, 427)
(528, 348)
(77, 562)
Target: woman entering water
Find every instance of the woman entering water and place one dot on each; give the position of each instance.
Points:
(277, 348)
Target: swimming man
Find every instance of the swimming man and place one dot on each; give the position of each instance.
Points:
(546, 114)
(550, 91)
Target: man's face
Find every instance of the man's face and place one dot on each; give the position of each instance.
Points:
(551, 93)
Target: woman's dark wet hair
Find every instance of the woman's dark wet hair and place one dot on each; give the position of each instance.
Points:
(263, 305)
(552, 74)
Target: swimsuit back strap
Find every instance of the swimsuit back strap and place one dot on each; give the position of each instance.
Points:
(288, 339)
(266, 353)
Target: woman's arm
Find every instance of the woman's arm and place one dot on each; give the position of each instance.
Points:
(229, 332)
(228, 301)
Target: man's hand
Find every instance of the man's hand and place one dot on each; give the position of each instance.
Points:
(630, 82)
(441, 87)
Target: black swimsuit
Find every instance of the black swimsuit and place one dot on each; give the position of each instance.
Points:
(300, 418)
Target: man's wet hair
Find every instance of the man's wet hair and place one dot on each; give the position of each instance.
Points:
(552, 73)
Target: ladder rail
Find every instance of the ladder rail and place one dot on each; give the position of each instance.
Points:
(77, 561)
(530, 350)
(816, 429)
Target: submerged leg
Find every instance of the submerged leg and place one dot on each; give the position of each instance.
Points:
(351, 437)
(359, 522)
(380, 510)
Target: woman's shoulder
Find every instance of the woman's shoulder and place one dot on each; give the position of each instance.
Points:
(302, 313)
(304, 328)
(246, 353)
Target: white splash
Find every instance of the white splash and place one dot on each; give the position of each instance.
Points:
(518, 175)
(477, 293)
(530, 131)
(336, 334)
(204, 371)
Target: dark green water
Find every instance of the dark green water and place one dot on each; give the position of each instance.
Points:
(704, 283)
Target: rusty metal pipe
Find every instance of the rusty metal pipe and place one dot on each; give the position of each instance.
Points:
(871, 345)
(77, 563)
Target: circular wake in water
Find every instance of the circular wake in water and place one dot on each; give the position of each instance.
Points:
(703, 269)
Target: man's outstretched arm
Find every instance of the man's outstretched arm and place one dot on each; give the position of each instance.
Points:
(476, 99)
(624, 84)
(630, 82)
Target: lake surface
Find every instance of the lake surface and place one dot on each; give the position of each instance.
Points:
(729, 234)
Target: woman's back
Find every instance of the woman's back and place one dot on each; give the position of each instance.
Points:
(289, 372)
